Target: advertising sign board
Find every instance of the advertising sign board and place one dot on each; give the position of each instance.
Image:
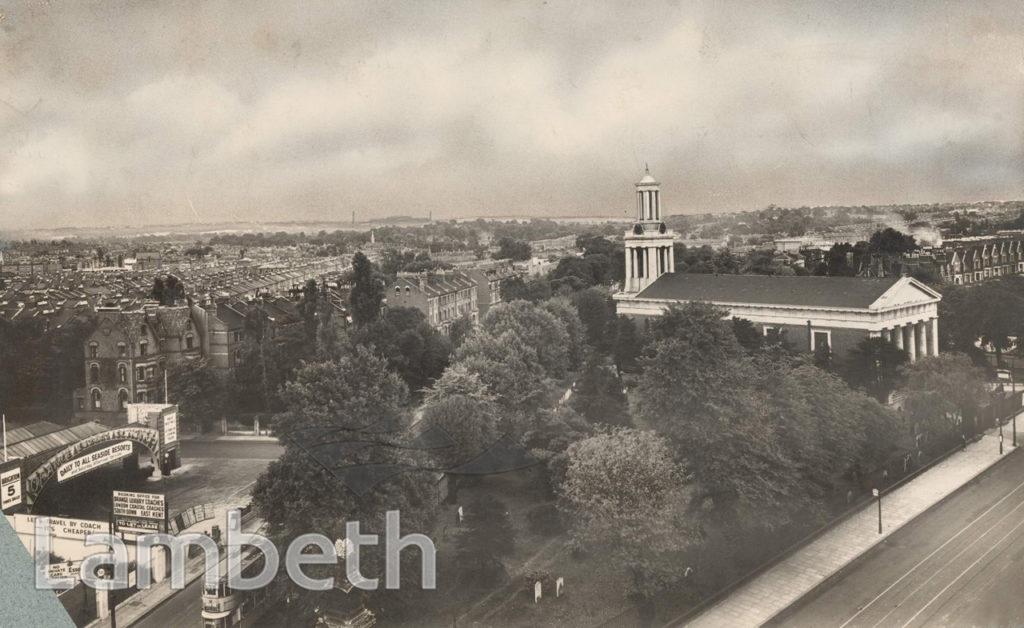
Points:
(10, 488)
(96, 459)
(138, 512)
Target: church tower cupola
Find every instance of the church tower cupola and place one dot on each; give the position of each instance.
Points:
(649, 252)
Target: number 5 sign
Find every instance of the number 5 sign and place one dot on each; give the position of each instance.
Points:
(10, 488)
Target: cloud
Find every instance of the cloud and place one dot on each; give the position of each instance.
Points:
(118, 112)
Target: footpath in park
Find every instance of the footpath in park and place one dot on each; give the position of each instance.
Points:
(768, 594)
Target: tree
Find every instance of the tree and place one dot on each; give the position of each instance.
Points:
(944, 393)
(510, 248)
(353, 392)
(597, 315)
(511, 373)
(873, 365)
(563, 310)
(598, 396)
(767, 435)
(627, 345)
(625, 498)
(459, 331)
(890, 245)
(367, 292)
(200, 392)
(536, 328)
(412, 347)
(470, 421)
(577, 269)
(534, 290)
(747, 334)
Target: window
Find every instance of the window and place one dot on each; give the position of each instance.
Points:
(122, 350)
(769, 331)
(122, 374)
(81, 403)
(93, 349)
(188, 342)
(142, 331)
(238, 336)
(140, 373)
(122, 399)
(821, 338)
(143, 348)
(96, 403)
(94, 373)
(151, 372)
(140, 397)
(188, 324)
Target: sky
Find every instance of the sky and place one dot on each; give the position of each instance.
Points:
(134, 113)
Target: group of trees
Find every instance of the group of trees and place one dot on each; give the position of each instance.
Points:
(722, 430)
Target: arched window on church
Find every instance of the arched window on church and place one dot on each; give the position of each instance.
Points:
(94, 373)
(122, 399)
(122, 374)
(96, 403)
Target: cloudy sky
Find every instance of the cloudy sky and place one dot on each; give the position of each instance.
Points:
(130, 112)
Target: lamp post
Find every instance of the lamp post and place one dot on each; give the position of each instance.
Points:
(1013, 385)
(875, 492)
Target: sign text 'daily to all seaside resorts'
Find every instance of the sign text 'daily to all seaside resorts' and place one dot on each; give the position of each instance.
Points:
(96, 459)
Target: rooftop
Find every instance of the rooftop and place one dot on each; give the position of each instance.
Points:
(839, 292)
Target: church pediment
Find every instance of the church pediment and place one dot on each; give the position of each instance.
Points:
(907, 291)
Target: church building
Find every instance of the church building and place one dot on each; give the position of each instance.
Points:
(805, 311)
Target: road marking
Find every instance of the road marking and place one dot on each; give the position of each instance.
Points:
(926, 558)
(948, 563)
(963, 573)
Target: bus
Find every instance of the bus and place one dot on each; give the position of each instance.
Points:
(224, 607)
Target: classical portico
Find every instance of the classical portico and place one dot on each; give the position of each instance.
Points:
(919, 338)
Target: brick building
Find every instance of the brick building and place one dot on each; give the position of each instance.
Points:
(443, 297)
(488, 277)
(126, 356)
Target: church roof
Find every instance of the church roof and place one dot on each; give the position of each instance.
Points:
(834, 292)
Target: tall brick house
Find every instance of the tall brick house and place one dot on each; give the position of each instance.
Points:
(126, 356)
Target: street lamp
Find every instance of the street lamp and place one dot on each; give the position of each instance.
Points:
(875, 492)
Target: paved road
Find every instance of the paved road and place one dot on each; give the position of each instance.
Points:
(256, 450)
(960, 564)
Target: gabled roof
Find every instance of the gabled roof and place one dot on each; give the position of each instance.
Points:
(827, 292)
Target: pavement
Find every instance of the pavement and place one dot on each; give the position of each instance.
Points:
(761, 599)
(959, 564)
(174, 606)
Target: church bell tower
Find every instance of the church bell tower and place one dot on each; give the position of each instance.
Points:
(649, 253)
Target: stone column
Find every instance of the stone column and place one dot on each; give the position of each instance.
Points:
(629, 269)
(898, 331)
(922, 340)
(934, 329)
(672, 258)
(912, 341)
(887, 335)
